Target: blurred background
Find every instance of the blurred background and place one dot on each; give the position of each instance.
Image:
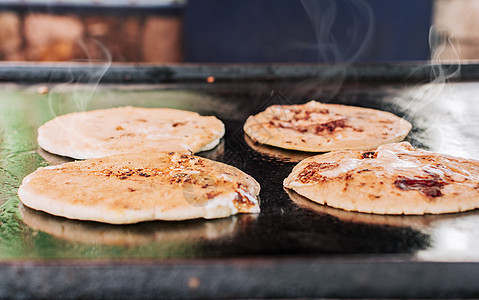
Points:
(246, 31)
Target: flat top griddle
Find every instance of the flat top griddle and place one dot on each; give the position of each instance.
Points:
(293, 248)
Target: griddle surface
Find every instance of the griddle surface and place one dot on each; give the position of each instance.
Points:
(444, 118)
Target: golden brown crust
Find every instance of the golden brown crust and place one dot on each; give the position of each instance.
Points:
(318, 127)
(132, 188)
(127, 129)
(394, 179)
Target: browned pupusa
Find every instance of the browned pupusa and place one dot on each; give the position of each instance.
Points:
(131, 188)
(394, 179)
(318, 127)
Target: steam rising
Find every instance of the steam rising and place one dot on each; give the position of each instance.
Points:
(323, 15)
(421, 96)
(342, 48)
(420, 103)
(93, 76)
(423, 103)
(85, 83)
(76, 92)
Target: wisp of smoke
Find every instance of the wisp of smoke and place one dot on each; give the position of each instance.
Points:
(339, 47)
(76, 92)
(348, 44)
(424, 102)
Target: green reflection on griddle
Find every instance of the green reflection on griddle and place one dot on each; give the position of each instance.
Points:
(36, 235)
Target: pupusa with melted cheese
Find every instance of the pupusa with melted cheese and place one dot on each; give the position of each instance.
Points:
(393, 179)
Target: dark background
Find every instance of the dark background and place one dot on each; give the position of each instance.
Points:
(331, 31)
